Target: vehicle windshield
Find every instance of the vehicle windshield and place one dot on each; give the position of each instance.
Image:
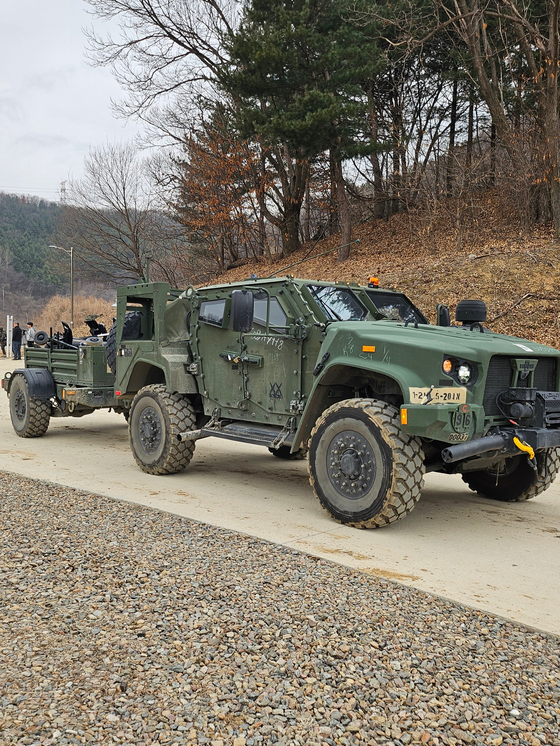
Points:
(396, 307)
(338, 304)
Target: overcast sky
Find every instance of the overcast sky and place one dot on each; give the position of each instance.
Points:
(53, 106)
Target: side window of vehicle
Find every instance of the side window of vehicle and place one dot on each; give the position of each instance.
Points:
(139, 319)
(212, 311)
(277, 321)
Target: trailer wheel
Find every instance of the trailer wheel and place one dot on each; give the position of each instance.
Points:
(365, 471)
(156, 418)
(285, 454)
(30, 417)
(515, 480)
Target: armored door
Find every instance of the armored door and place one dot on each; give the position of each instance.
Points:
(272, 362)
(218, 350)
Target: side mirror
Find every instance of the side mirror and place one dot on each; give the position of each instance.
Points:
(442, 312)
(242, 309)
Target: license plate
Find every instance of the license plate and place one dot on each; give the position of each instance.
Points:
(433, 395)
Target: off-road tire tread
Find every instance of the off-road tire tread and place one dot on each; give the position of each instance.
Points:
(540, 486)
(39, 416)
(182, 416)
(408, 477)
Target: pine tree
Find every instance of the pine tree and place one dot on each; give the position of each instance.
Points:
(298, 73)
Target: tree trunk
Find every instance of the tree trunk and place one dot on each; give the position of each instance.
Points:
(493, 155)
(263, 238)
(344, 212)
(551, 118)
(396, 181)
(378, 191)
(470, 132)
(220, 253)
(552, 125)
(307, 221)
(333, 221)
(472, 30)
(451, 150)
(292, 175)
(290, 228)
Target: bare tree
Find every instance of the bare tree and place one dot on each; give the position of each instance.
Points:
(165, 48)
(169, 56)
(511, 50)
(113, 218)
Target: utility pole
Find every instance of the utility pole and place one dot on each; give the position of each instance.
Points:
(71, 252)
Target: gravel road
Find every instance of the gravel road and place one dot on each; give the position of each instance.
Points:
(123, 624)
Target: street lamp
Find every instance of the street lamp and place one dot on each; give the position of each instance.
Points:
(71, 252)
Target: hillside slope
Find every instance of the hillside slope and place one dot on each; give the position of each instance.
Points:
(464, 251)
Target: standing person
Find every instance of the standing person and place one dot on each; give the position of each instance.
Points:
(30, 335)
(17, 334)
(3, 340)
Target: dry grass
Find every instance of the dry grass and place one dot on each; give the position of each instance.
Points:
(434, 259)
(58, 309)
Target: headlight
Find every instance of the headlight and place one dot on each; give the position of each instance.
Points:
(464, 373)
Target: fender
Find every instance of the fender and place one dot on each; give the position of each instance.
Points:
(317, 402)
(173, 374)
(39, 380)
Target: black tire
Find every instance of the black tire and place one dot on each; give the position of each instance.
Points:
(111, 349)
(516, 480)
(469, 311)
(156, 418)
(364, 470)
(130, 321)
(30, 417)
(284, 453)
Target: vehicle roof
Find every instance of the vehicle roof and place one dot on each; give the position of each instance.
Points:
(295, 280)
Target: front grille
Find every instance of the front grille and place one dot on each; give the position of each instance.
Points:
(500, 375)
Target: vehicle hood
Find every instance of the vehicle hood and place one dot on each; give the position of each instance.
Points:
(461, 341)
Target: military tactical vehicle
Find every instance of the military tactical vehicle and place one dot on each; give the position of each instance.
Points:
(352, 375)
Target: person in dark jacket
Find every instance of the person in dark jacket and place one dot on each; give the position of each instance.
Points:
(17, 335)
(3, 340)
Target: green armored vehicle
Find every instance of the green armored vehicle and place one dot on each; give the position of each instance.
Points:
(351, 375)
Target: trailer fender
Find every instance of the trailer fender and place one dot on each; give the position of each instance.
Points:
(39, 380)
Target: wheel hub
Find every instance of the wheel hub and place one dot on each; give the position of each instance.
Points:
(351, 464)
(20, 406)
(149, 430)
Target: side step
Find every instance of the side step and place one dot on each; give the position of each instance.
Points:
(243, 432)
(258, 435)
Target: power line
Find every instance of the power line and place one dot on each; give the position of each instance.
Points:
(30, 189)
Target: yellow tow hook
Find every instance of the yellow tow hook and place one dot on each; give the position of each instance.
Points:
(527, 449)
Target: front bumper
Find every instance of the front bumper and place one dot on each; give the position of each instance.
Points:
(508, 441)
